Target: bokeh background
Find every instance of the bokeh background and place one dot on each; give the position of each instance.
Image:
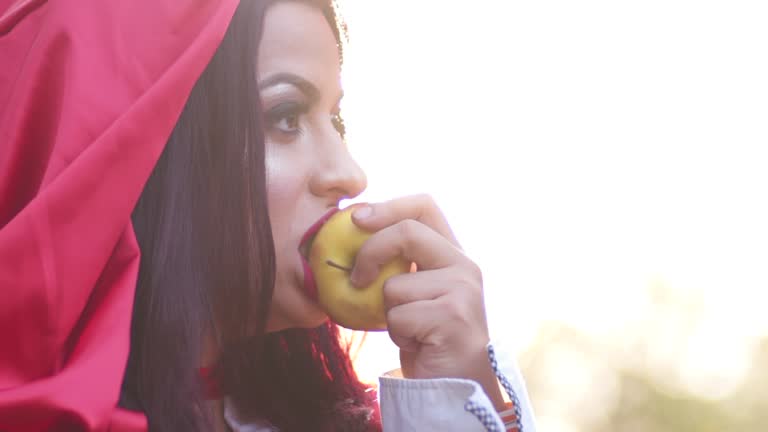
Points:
(606, 163)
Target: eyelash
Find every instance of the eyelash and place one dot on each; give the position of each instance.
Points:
(285, 111)
(295, 110)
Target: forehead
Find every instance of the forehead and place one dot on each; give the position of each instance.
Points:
(298, 39)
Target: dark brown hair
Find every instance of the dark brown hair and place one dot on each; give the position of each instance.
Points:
(208, 268)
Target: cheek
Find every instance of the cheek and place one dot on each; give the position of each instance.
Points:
(285, 186)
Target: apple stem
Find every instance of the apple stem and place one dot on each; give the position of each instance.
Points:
(340, 267)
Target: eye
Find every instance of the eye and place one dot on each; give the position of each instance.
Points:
(289, 123)
(338, 124)
(286, 117)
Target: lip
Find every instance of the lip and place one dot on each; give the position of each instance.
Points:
(315, 227)
(310, 286)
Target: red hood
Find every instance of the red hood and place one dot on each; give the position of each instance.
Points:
(89, 93)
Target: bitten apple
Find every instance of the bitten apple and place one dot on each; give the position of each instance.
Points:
(331, 257)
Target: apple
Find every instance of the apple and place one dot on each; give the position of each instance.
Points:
(332, 257)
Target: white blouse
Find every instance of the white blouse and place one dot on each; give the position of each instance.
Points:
(444, 404)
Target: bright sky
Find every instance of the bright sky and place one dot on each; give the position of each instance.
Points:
(582, 151)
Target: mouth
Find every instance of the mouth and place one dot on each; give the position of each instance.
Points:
(306, 240)
(310, 286)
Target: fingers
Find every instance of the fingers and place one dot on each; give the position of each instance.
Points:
(436, 323)
(409, 239)
(422, 208)
(417, 305)
(409, 325)
(433, 306)
(436, 315)
(413, 287)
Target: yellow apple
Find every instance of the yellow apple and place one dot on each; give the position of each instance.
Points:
(332, 257)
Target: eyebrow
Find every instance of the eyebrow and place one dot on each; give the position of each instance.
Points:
(306, 87)
(303, 85)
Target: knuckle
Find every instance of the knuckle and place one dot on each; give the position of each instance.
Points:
(408, 230)
(426, 200)
(469, 278)
(426, 204)
(467, 285)
(475, 273)
(451, 307)
(439, 338)
(454, 309)
(392, 317)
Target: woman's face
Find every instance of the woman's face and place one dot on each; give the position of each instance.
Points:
(309, 169)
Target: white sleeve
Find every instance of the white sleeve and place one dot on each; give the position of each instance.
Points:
(451, 404)
(432, 404)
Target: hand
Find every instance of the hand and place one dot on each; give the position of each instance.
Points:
(436, 316)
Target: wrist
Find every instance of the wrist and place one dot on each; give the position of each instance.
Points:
(493, 389)
(481, 370)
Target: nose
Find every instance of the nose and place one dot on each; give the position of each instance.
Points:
(336, 176)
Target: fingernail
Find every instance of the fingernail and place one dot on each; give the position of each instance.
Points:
(363, 212)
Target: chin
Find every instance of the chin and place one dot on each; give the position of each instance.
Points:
(310, 321)
(293, 309)
(275, 324)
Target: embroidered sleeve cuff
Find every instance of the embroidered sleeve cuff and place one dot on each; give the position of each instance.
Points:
(450, 404)
(510, 378)
(445, 404)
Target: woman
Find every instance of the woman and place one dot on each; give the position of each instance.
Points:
(255, 158)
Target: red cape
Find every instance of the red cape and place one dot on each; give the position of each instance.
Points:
(89, 93)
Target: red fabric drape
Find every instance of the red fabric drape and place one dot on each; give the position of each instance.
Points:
(89, 93)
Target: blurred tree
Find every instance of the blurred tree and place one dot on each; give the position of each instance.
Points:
(640, 398)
